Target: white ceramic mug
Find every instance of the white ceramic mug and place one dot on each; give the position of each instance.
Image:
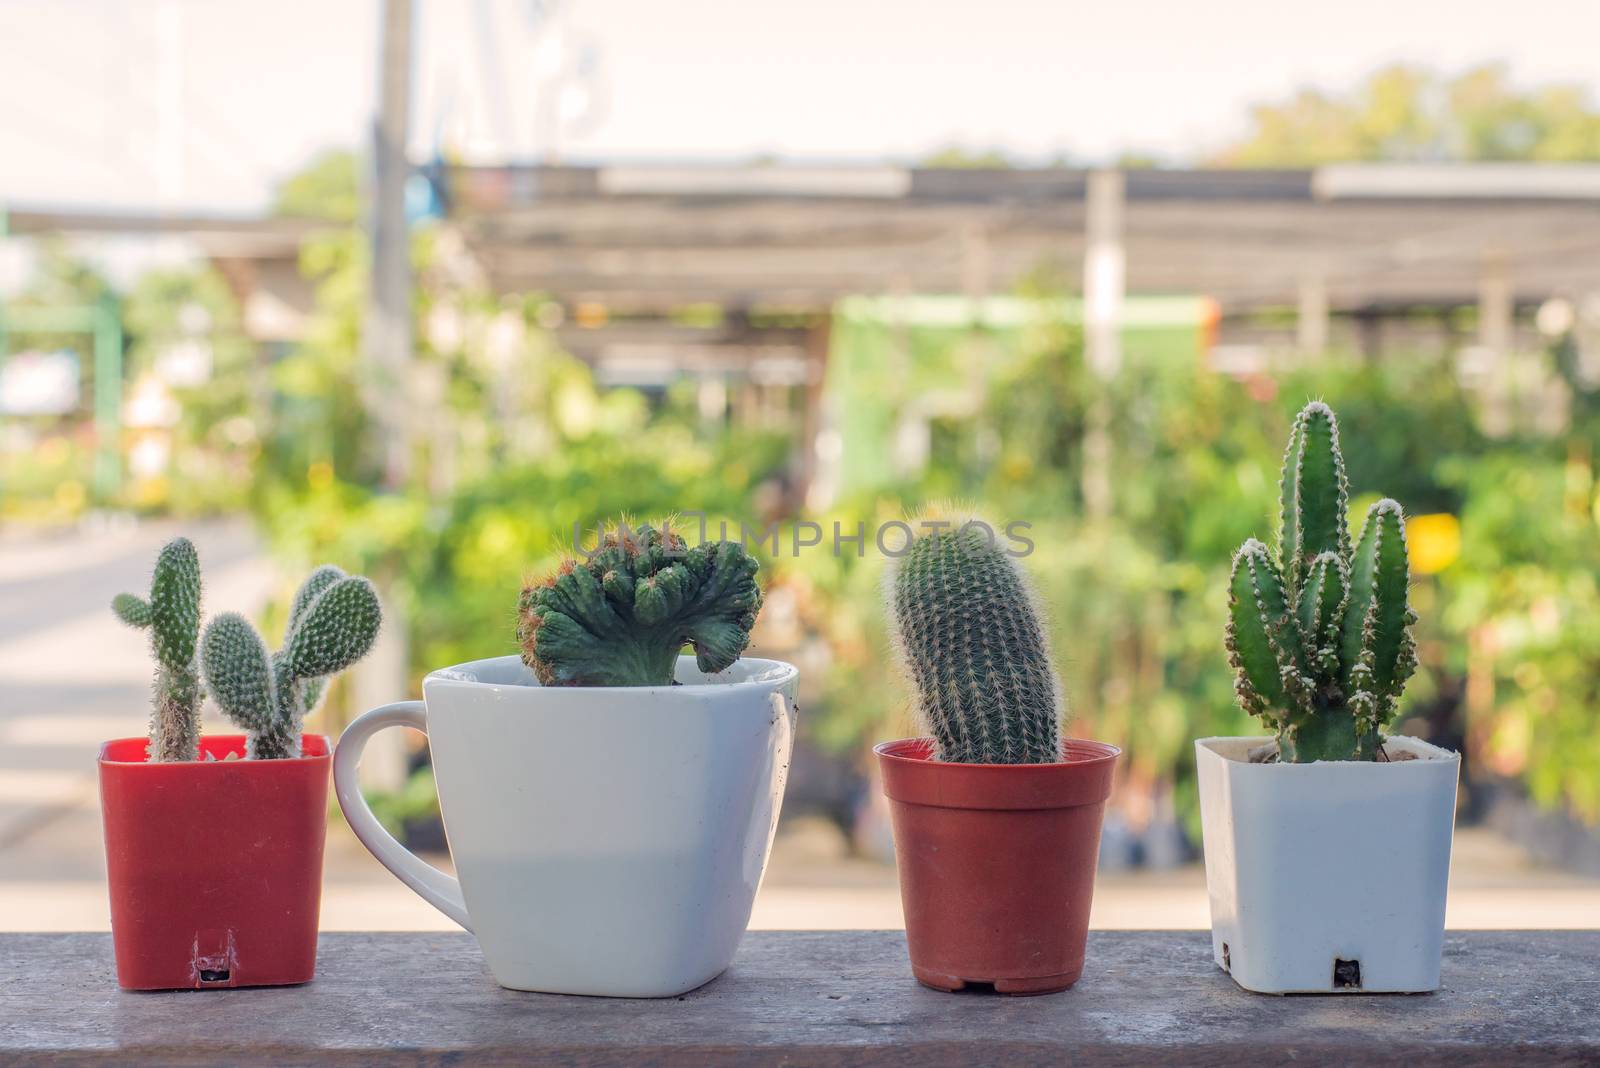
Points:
(608, 840)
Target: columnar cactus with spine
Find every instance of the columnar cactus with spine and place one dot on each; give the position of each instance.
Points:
(621, 616)
(332, 623)
(172, 616)
(1319, 635)
(969, 636)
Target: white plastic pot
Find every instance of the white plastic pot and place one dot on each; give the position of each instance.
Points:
(608, 840)
(1327, 877)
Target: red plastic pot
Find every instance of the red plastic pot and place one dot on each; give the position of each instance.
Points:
(997, 863)
(215, 866)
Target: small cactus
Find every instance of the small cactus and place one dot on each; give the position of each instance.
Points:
(622, 616)
(172, 616)
(1319, 635)
(970, 638)
(332, 623)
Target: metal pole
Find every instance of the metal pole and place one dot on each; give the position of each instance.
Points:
(107, 398)
(1311, 319)
(975, 267)
(386, 339)
(1495, 308)
(386, 344)
(1104, 279)
(1496, 337)
(1104, 271)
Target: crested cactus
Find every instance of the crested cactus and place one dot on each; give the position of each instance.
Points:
(172, 616)
(621, 616)
(332, 623)
(970, 638)
(1319, 635)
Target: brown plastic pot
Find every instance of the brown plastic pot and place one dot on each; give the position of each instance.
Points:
(997, 863)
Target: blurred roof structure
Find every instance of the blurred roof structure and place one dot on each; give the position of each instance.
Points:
(228, 235)
(1372, 237)
(1375, 236)
(259, 256)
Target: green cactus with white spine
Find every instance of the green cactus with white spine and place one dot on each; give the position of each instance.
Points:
(622, 616)
(970, 638)
(1319, 635)
(172, 616)
(333, 622)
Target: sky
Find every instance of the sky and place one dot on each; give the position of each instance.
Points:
(203, 105)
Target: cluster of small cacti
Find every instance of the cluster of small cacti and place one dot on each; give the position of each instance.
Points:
(1319, 635)
(969, 636)
(621, 616)
(332, 623)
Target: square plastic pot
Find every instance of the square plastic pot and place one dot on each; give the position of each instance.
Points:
(214, 866)
(1327, 877)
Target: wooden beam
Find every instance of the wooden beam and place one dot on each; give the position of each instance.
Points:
(822, 998)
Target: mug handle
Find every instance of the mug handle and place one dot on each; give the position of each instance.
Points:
(441, 891)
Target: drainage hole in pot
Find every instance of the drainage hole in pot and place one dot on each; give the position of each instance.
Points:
(215, 975)
(1227, 964)
(1346, 974)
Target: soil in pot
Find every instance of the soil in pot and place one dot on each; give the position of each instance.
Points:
(997, 864)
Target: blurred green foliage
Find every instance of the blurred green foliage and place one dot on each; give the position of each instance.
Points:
(522, 445)
(329, 187)
(516, 444)
(1524, 607)
(1138, 592)
(1406, 112)
(520, 450)
(216, 439)
(170, 315)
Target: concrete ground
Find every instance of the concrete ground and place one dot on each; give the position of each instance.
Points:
(72, 677)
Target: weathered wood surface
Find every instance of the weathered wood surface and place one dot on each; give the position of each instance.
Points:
(805, 998)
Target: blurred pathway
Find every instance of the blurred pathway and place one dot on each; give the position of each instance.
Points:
(71, 677)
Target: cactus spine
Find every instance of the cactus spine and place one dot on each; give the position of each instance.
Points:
(332, 623)
(968, 635)
(172, 616)
(621, 616)
(1319, 636)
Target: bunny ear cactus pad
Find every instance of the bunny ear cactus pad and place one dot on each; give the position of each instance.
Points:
(332, 623)
(239, 672)
(621, 616)
(315, 583)
(172, 616)
(971, 641)
(1320, 636)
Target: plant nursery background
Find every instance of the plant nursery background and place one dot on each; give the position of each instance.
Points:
(803, 275)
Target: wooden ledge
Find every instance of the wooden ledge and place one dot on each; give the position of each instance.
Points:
(805, 998)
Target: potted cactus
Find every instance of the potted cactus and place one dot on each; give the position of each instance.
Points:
(196, 902)
(996, 817)
(609, 802)
(1328, 844)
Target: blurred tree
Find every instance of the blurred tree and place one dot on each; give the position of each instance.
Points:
(1405, 112)
(1523, 607)
(329, 187)
(959, 157)
(186, 329)
(46, 462)
(60, 278)
(1137, 159)
(519, 443)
